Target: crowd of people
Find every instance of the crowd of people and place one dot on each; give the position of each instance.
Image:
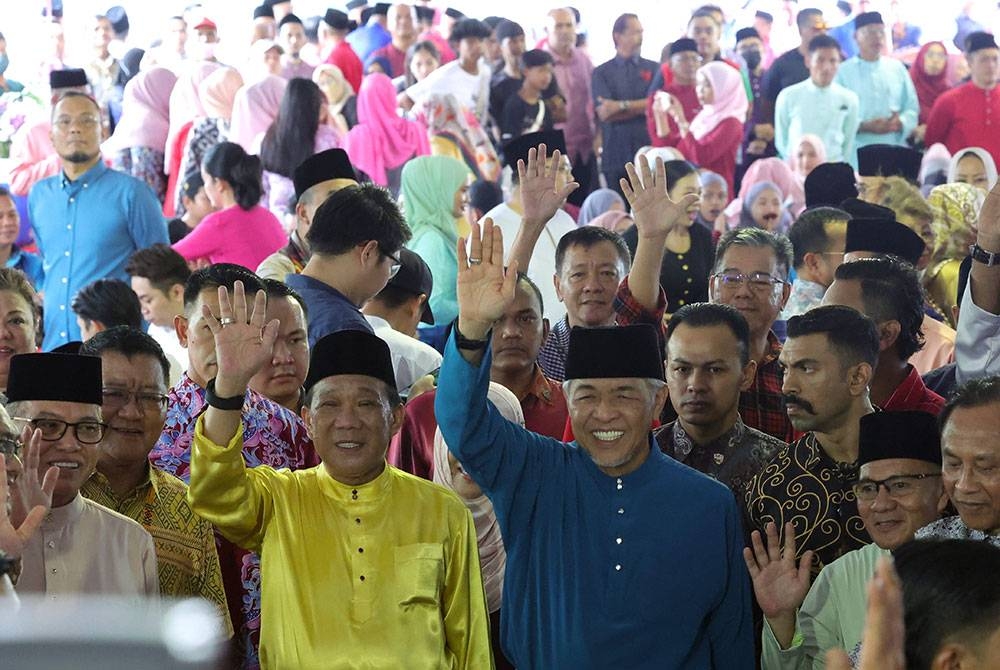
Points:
(407, 345)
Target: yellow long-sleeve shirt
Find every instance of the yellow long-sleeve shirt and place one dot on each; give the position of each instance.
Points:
(383, 575)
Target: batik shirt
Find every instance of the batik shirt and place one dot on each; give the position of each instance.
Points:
(733, 458)
(953, 528)
(274, 436)
(803, 485)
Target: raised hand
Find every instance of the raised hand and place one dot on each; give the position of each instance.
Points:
(539, 198)
(243, 342)
(485, 290)
(655, 214)
(31, 499)
(883, 643)
(778, 583)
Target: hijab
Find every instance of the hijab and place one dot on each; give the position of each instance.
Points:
(428, 187)
(772, 171)
(729, 98)
(331, 81)
(145, 112)
(492, 555)
(185, 104)
(254, 109)
(218, 92)
(818, 145)
(754, 192)
(445, 118)
(956, 209)
(382, 140)
(597, 203)
(610, 220)
(984, 156)
(933, 167)
(928, 87)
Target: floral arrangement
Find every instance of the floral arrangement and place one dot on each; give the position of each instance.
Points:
(15, 110)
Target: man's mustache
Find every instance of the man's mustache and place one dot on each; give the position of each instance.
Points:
(798, 402)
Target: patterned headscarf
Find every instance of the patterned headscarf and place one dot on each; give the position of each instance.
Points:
(956, 210)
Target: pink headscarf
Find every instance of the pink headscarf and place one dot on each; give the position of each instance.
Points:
(145, 112)
(609, 220)
(185, 105)
(730, 98)
(382, 140)
(777, 172)
(492, 555)
(818, 145)
(254, 110)
(218, 91)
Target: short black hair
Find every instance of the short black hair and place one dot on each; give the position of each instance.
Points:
(242, 171)
(110, 302)
(160, 265)
(588, 236)
(851, 333)
(276, 289)
(805, 16)
(65, 95)
(948, 594)
(823, 41)
(473, 28)
(393, 296)
(129, 342)
(808, 233)
(214, 276)
(675, 170)
(891, 291)
(973, 393)
(757, 238)
(533, 287)
(706, 314)
(354, 215)
(706, 12)
(621, 24)
(4, 191)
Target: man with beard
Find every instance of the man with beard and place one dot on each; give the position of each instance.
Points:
(89, 219)
(828, 360)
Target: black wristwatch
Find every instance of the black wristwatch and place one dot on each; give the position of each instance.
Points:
(233, 402)
(462, 342)
(987, 258)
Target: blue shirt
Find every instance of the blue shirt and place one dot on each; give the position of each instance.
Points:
(641, 571)
(28, 263)
(883, 86)
(329, 309)
(623, 79)
(86, 230)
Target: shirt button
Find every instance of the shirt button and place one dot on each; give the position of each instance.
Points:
(690, 280)
(684, 267)
(62, 308)
(67, 253)
(65, 280)
(618, 567)
(72, 199)
(50, 544)
(680, 302)
(362, 578)
(62, 334)
(618, 540)
(621, 510)
(54, 571)
(361, 550)
(69, 227)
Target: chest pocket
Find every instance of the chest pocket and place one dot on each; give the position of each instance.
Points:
(419, 574)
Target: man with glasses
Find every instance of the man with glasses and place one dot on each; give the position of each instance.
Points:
(134, 371)
(355, 238)
(751, 274)
(81, 547)
(805, 490)
(898, 491)
(88, 219)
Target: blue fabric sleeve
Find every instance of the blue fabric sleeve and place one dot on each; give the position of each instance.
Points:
(731, 629)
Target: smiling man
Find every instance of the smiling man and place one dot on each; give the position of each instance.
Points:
(81, 547)
(607, 538)
(899, 491)
(360, 555)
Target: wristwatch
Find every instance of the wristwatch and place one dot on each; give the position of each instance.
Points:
(624, 105)
(462, 342)
(987, 258)
(230, 403)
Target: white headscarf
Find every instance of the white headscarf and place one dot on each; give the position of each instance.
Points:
(984, 156)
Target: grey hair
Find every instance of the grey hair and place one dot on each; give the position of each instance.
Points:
(653, 385)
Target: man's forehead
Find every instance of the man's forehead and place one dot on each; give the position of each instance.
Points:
(62, 409)
(346, 384)
(606, 383)
(703, 342)
(749, 259)
(812, 346)
(883, 468)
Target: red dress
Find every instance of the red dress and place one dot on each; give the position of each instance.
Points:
(716, 151)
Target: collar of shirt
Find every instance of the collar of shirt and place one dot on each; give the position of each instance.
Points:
(910, 393)
(626, 484)
(100, 481)
(634, 59)
(724, 444)
(540, 387)
(773, 348)
(368, 494)
(814, 458)
(60, 517)
(304, 281)
(87, 178)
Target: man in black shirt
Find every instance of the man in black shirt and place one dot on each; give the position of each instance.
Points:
(790, 67)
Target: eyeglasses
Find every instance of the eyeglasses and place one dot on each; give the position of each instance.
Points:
(64, 123)
(145, 401)
(396, 264)
(10, 445)
(897, 487)
(758, 281)
(86, 432)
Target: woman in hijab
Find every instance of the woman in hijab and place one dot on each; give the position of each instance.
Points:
(185, 107)
(599, 202)
(955, 208)
(383, 141)
(448, 473)
(216, 93)
(454, 132)
(716, 132)
(763, 208)
(617, 221)
(973, 165)
(772, 170)
(434, 189)
(933, 168)
(254, 109)
(341, 104)
(810, 153)
(137, 145)
(929, 73)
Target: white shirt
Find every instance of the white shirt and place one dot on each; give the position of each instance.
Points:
(542, 268)
(166, 337)
(471, 90)
(411, 358)
(83, 547)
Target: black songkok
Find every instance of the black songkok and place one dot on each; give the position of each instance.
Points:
(614, 351)
(682, 45)
(874, 228)
(889, 160)
(55, 376)
(899, 435)
(73, 77)
(979, 40)
(518, 147)
(830, 184)
(324, 166)
(347, 352)
(868, 19)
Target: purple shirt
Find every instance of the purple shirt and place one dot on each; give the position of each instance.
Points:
(573, 75)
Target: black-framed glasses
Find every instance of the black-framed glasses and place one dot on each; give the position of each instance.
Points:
(899, 486)
(396, 264)
(758, 281)
(87, 431)
(146, 401)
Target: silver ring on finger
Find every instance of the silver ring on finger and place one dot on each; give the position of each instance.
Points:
(226, 320)
(475, 261)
